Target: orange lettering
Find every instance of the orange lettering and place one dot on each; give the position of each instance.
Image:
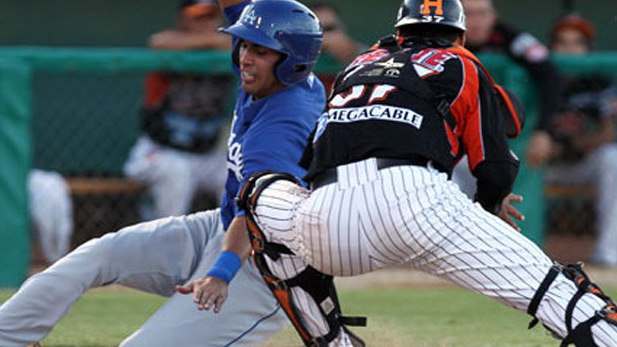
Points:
(437, 4)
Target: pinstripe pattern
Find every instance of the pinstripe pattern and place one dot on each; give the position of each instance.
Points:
(372, 219)
(281, 201)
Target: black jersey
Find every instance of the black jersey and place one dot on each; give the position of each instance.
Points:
(185, 111)
(387, 105)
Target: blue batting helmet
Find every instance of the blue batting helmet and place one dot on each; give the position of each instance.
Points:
(285, 26)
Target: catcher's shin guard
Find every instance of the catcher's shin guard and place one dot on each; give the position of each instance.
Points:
(319, 286)
(580, 335)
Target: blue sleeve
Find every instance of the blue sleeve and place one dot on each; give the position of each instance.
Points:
(276, 141)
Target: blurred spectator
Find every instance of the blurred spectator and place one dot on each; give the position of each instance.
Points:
(51, 211)
(182, 118)
(584, 132)
(336, 40)
(486, 33)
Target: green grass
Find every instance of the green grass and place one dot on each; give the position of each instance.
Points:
(397, 317)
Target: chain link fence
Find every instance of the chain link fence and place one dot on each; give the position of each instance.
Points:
(85, 119)
(83, 126)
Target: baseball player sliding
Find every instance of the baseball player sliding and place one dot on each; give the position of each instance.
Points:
(378, 165)
(278, 103)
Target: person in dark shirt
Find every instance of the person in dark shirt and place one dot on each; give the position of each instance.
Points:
(178, 151)
(487, 33)
(584, 132)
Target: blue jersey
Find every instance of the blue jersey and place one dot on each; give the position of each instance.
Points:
(270, 133)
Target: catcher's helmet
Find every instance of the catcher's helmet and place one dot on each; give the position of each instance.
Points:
(438, 12)
(285, 26)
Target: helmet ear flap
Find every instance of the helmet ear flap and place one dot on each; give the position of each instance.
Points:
(235, 53)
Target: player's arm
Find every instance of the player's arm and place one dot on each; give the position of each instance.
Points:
(534, 57)
(211, 291)
(273, 142)
(490, 158)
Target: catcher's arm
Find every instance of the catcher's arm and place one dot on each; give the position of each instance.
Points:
(508, 212)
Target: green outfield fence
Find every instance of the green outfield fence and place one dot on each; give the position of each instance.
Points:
(75, 111)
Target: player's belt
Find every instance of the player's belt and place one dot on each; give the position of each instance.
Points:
(329, 176)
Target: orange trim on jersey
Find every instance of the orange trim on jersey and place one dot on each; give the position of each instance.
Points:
(156, 85)
(467, 113)
(462, 51)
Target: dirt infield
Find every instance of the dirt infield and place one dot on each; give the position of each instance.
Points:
(565, 248)
(404, 277)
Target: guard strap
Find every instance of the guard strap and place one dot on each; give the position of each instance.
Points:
(318, 285)
(537, 298)
(581, 335)
(321, 288)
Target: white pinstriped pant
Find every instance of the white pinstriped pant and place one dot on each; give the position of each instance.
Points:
(371, 219)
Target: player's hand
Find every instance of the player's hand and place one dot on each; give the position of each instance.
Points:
(208, 292)
(539, 149)
(508, 212)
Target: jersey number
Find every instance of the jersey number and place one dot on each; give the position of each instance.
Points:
(379, 92)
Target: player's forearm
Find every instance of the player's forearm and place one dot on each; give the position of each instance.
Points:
(236, 238)
(236, 248)
(495, 181)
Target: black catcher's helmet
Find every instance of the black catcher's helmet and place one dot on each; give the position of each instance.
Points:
(438, 12)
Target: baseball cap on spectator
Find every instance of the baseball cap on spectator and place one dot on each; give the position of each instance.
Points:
(197, 8)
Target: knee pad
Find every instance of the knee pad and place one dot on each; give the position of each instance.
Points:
(580, 335)
(318, 286)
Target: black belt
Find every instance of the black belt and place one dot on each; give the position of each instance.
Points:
(329, 176)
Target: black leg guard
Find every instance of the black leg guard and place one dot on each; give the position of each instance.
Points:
(580, 336)
(318, 285)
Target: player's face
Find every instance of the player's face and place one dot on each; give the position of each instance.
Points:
(257, 69)
(570, 41)
(481, 18)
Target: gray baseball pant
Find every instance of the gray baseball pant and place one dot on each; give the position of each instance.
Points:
(153, 257)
